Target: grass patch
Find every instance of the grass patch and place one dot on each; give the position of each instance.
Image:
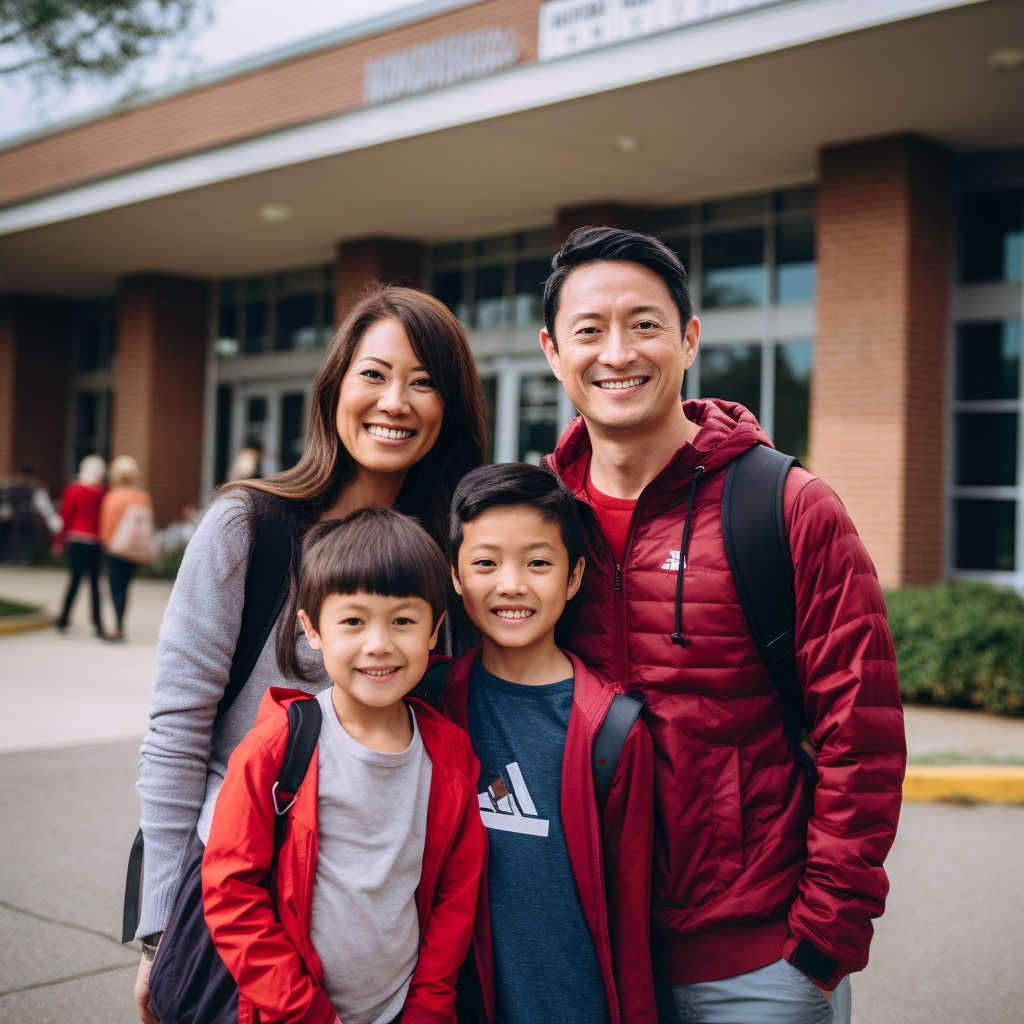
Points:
(956, 757)
(16, 607)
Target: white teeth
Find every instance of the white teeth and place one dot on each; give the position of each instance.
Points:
(503, 614)
(616, 385)
(377, 671)
(391, 435)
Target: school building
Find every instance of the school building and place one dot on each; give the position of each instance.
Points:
(843, 179)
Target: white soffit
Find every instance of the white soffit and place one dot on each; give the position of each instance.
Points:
(759, 31)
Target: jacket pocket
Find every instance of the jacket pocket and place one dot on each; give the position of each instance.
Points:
(726, 821)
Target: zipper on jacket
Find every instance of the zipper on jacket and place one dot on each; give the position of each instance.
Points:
(617, 585)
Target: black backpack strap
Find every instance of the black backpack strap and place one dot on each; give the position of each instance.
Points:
(266, 587)
(304, 721)
(757, 546)
(429, 688)
(610, 739)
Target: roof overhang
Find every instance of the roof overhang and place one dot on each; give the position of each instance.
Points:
(734, 105)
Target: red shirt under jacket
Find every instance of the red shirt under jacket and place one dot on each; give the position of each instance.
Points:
(268, 951)
(747, 864)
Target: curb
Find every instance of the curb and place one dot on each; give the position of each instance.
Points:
(996, 784)
(21, 623)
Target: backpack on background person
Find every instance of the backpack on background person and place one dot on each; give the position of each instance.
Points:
(132, 539)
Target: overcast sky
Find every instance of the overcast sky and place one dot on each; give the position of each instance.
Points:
(240, 28)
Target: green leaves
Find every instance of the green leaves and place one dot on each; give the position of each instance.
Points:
(959, 643)
(64, 40)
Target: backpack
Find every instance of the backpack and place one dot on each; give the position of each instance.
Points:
(761, 562)
(133, 535)
(266, 587)
(608, 744)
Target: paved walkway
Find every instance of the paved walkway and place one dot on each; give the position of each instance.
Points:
(74, 712)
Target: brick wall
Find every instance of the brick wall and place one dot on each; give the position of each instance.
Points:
(158, 413)
(304, 89)
(364, 262)
(35, 363)
(878, 401)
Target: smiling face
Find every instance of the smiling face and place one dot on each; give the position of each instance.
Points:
(621, 350)
(375, 648)
(514, 575)
(389, 410)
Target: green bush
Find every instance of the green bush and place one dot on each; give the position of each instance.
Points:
(959, 643)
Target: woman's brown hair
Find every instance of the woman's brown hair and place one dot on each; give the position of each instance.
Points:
(301, 494)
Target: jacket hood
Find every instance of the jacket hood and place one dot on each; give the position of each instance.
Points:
(726, 430)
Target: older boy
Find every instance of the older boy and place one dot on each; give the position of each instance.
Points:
(567, 888)
(384, 830)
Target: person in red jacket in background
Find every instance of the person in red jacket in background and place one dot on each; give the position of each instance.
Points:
(763, 893)
(563, 930)
(376, 884)
(80, 536)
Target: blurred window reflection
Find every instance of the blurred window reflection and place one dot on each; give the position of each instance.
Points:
(988, 360)
(538, 417)
(992, 236)
(792, 397)
(985, 535)
(733, 373)
(734, 268)
(286, 312)
(794, 261)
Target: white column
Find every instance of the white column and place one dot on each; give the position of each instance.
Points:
(506, 419)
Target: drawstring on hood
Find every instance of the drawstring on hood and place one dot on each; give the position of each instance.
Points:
(684, 547)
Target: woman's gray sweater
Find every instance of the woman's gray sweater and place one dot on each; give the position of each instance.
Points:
(184, 757)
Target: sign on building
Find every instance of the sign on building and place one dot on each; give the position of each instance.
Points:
(438, 63)
(574, 26)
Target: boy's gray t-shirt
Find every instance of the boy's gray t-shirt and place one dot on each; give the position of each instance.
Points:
(372, 824)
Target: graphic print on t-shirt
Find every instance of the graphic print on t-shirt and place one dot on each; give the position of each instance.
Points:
(506, 805)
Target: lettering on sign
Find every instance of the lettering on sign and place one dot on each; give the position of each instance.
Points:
(438, 63)
(574, 26)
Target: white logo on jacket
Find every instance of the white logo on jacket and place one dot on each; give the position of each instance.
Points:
(508, 807)
(672, 562)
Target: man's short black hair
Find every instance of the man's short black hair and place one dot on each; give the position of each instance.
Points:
(615, 245)
(515, 483)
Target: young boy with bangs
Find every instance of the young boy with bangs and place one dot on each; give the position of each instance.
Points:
(562, 934)
(375, 887)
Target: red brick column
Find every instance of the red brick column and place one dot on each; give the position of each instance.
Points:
(365, 261)
(35, 367)
(608, 214)
(880, 348)
(158, 411)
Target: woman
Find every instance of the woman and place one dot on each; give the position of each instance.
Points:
(80, 535)
(397, 418)
(126, 532)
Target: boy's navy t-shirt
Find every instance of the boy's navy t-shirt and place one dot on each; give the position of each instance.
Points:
(546, 969)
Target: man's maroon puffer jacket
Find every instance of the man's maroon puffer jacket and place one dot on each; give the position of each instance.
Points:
(745, 866)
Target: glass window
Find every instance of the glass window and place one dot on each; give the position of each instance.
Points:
(984, 534)
(255, 326)
(792, 397)
(489, 296)
(681, 247)
(295, 323)
(988, 360)
(92, 424)
(732, 372)
(450, 253)
(795, 199)
(655, 221)
(293, 429)
(538, 417)
(97, 335)
(734, 209)
(529, 299)
(794, 258)
(493, 246)
(734, 268)
(543, 238)
(447, 285)
(991, 236)
(327, 317)
(256, 424)
(986, 449)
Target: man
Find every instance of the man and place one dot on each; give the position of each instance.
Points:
(763, 892)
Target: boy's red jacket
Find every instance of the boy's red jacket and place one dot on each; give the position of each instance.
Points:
(748, 865)
(270, 954)
(610, 855)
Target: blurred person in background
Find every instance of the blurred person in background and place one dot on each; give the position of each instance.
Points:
(397, 419)
(126, 531)
(246, 464)
(80, 535)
